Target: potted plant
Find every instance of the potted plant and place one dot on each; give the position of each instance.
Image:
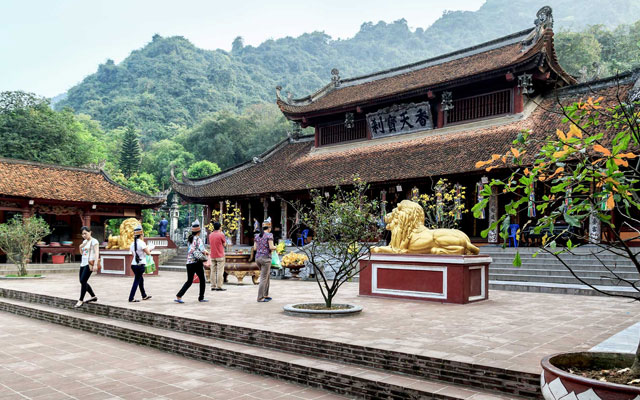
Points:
(591, 170)
(230, 221)
(294, 262)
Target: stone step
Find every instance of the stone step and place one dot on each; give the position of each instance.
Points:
(554, 279)
(590, 259)
(560, 288)
(363, 382)
(417, 367)
(562, 272)
(41, 269)
(552, 265)
(528, 252)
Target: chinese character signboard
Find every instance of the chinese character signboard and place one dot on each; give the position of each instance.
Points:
(399, 119)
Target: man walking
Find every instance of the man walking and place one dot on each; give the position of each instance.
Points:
(217, 241)
(162, 225)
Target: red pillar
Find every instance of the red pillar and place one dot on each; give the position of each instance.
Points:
(518, 101)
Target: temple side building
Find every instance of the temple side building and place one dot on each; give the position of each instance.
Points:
(404, 128)
(67, 198)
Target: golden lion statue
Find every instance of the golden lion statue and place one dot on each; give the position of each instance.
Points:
(124, 240)
(409, 235)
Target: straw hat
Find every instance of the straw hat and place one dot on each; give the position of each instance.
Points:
(195, 226)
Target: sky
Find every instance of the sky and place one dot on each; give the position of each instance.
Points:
(48, 46)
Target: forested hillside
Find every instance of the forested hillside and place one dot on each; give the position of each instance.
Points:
(171, 83)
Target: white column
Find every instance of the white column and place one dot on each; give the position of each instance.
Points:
(174, 215)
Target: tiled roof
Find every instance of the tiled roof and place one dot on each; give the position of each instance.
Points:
(495, 55)
(295, 167)
(32, 180)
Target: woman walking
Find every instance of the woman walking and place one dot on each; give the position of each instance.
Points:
(263, 244)
(139, 249)
(90, 251)
(195, 257)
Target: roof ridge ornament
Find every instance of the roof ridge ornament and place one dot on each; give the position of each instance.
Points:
(278, 96)
(335, 77)
(544, 18)
(543, 21)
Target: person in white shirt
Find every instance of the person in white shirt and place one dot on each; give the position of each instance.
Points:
(139, 249)
(90, 251)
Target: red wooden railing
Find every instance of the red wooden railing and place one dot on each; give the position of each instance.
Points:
(481, 106)
(337, 133)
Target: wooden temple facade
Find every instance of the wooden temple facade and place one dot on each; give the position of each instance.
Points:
(402, 129)
(67, 198)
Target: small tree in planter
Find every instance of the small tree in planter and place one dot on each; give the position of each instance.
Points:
(591, 170)
(344, 227)
(19, 236)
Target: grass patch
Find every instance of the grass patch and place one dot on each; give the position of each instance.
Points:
(23, 276)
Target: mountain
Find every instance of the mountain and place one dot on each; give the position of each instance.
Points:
(170, 84)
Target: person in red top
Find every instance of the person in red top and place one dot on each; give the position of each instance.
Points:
(217, 241)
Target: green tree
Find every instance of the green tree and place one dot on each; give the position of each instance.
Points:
(202, 169)
(164, 155)
(31, 130)
(344, 227)
(130, 153)
(591, 170)
(18, 237)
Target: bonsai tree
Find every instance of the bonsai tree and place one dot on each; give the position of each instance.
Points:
(19, 236)
(443, 208)
(590, 170)
(345, 228)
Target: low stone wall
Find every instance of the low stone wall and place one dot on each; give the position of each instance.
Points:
(166, 255)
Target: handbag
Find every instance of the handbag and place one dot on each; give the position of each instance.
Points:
(207, 263)
(197, 254)
(150, 267)
(93, 264)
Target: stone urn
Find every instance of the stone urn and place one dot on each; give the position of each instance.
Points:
(295, 270)
(557, 383)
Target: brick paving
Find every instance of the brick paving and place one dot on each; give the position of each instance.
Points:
(43, 361)
(511, 330)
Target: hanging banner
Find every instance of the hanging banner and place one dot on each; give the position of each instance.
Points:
(400, 119)
(480, 197)
(531, 205)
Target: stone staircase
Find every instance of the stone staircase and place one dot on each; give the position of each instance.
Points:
(545, 273)
(346, 369)
(177, 262)
(41, 269)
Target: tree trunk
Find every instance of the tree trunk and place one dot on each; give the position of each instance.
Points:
(327, 301)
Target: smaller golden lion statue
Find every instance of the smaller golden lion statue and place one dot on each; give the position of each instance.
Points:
(124, 240)
(409, 235)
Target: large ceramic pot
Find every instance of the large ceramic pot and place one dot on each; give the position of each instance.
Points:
(557, 383)
(295, 270)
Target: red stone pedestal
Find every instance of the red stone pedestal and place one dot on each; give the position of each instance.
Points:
(443, 278)
(118, 262)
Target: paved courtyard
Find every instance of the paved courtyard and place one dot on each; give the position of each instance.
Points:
(511, 330)
(43, 361)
